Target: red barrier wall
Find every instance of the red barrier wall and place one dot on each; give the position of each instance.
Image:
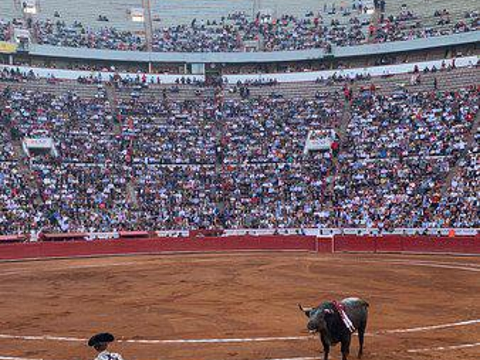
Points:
(417, 244)
(136, 246)
(388, 243)
(465, 245)
(354, 243)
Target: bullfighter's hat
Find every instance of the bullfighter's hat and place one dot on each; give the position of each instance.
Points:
(100, 339)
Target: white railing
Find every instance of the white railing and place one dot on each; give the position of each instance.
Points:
(294, 77)
(318, 232)
(350, 73)
(328, 232)
(104, 76)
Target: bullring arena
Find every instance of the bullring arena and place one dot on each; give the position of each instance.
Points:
(220, 298)
(183, 174)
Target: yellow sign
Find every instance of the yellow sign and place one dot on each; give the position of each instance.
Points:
(7, 48)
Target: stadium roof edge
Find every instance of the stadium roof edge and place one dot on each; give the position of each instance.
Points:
(410, 45)
(253, 57)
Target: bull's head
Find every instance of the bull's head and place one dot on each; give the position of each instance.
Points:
(316, 318)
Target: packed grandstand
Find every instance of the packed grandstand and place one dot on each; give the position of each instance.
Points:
(380, 129)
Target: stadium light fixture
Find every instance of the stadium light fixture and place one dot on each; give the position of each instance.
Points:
(370, 6)
(137, 14)
(30, 7)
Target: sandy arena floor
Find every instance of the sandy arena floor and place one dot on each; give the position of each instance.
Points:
(417, 302)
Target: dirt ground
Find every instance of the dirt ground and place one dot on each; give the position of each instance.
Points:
(241, 296)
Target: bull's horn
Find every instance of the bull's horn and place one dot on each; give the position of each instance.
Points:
(305, 309)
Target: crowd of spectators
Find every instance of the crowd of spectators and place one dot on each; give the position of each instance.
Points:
(264, 32)
(266, 130)
(83, 129)
(4, 30)
(181, 164)
(388, 193)
(170, 132)
(408, 26)
(58, 33)
(83, 188)
(177, 197)
(461, 207)
(16, 199)
(277, 195)
(273, 130)
(401, 148)
(81, 197)
(15, 75)
(405, 125)
(265, 195)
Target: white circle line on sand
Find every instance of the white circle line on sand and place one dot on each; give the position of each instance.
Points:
(214, 257)
(237, 340)
(428, 328)
(440, 265)
(15, 358)
(433, 262)
(41, 338)
(218, 341)
(445, 348)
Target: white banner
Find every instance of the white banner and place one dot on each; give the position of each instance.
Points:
(320, 140)
(372, 71)
(104, 76)
(38, 143)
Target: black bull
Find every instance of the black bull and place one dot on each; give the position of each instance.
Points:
(326, 320)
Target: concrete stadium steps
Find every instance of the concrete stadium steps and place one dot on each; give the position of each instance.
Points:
(306, 90)
(426, 8)
(183, 11)
(446, 80)
(82, 90)
(453, 80)
(155, 92)
(170, 12)
(8, 11)
(433, 54)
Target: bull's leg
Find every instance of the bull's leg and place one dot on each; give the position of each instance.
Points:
(326, 347)
(346, 347)
(361, 335)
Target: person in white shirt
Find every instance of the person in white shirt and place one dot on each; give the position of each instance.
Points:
(100, 343)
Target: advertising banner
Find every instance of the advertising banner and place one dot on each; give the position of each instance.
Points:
(7, 47)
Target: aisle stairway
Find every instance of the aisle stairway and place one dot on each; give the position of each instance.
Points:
(26, 172)
(470, 140)
(341, 131)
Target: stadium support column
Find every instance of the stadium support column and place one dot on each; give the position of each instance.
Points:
(218, 117)
(255, 8)
(147, 8)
